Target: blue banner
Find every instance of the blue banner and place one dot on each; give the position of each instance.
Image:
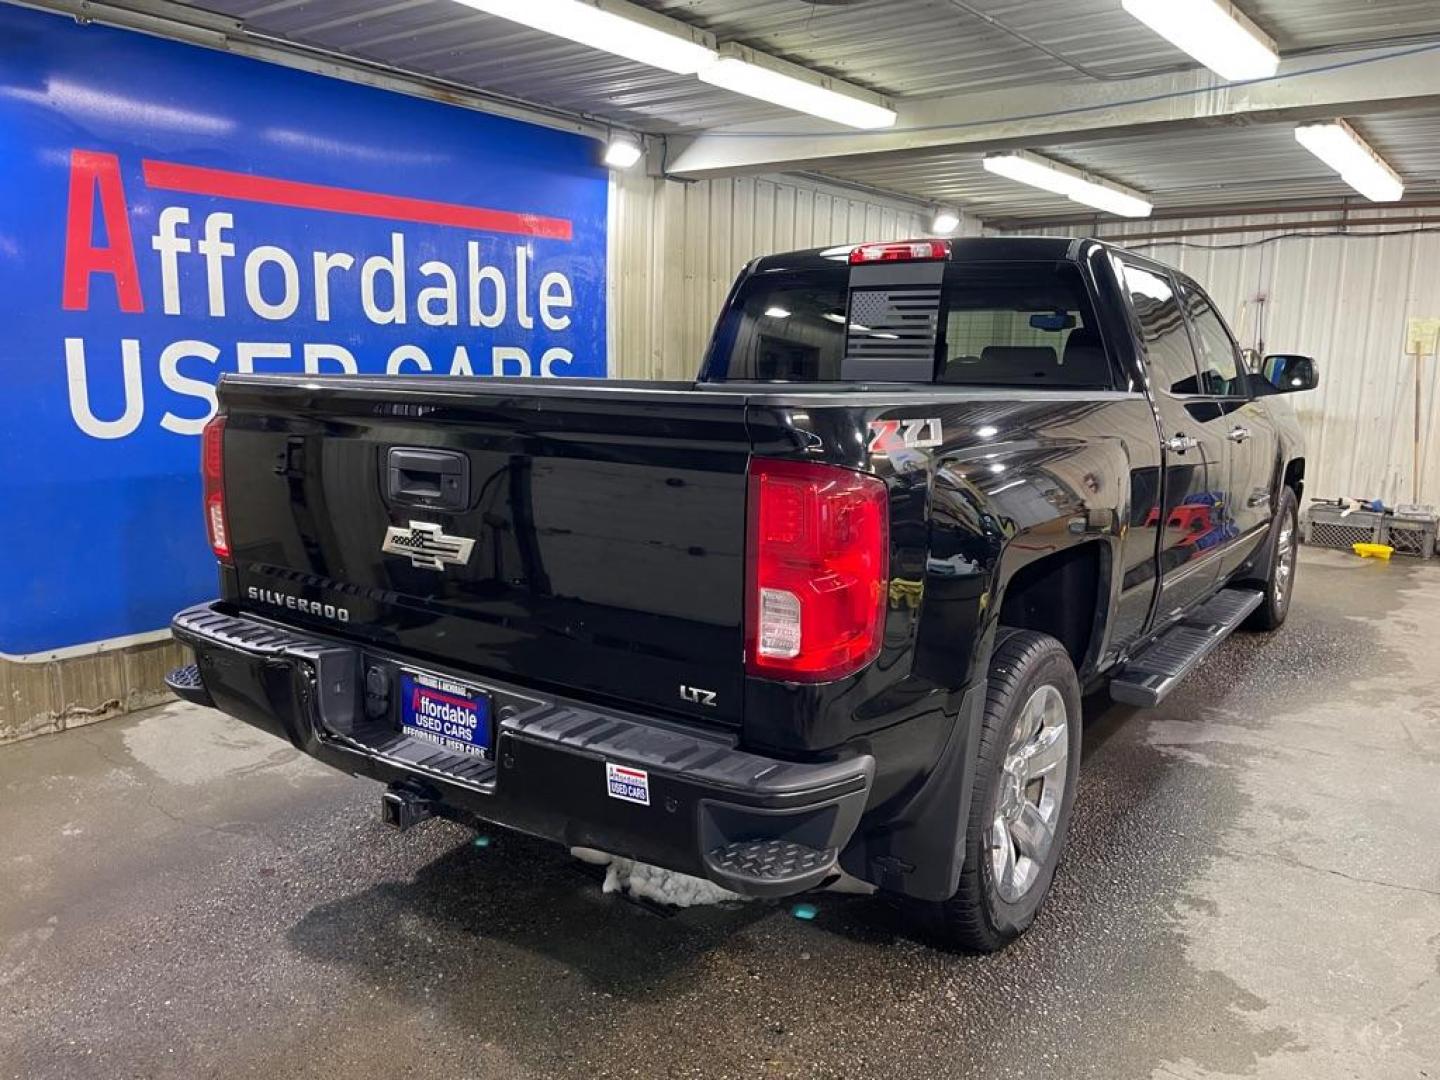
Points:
(169, 213)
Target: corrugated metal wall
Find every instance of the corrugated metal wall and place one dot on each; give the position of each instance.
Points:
(675, 249)
(1344, 300)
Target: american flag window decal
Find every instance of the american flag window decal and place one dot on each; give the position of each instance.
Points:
(898, 322)
(893, 322)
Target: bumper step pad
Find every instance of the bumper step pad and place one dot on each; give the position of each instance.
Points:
(186, 683)
(771, 866)
(770, 860)
(1148, 678)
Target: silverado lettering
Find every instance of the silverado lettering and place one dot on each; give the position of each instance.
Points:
(297, 603)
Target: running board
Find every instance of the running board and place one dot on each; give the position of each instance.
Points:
(1148, 678)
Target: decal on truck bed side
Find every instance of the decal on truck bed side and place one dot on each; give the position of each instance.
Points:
(903, 434)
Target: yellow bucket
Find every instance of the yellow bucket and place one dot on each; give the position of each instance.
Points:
(1373, 551)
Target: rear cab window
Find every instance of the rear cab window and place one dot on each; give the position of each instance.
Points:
(1016, 324)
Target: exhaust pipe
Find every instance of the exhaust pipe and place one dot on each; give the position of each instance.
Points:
(405, 804)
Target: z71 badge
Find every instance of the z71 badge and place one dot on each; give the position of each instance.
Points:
(890, 435)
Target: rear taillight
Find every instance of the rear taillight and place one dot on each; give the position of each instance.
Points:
(817, 562)
(900, 251)
(212, 468)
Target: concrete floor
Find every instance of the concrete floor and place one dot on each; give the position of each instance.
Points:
(1252, 889)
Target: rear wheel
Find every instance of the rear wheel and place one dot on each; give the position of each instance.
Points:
(1280, 585)
(1024, 788)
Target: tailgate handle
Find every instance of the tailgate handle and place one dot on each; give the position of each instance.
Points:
(428, 479)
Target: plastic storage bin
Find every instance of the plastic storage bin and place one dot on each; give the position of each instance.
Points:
(1410, 530)
(1325, 527)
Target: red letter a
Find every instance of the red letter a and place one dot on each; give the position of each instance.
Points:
(90, 171)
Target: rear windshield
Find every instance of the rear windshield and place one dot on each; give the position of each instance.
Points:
(997, 324)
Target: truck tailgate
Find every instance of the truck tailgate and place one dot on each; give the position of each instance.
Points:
(607, 526)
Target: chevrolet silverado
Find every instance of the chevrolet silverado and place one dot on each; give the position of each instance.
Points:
(829, 607)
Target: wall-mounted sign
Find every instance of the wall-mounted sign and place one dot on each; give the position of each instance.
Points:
(172, 213)
(1422, 336)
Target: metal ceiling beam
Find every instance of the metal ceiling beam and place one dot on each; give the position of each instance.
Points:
(1343, 204)
(1347, 226)
(1312, 87)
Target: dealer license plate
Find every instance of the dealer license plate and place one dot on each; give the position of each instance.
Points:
(450, 714)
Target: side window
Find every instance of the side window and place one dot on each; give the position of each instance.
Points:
(1162, 330)
(1219, 358)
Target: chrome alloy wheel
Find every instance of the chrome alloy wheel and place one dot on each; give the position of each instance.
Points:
(1284, 563)
(1032, 786)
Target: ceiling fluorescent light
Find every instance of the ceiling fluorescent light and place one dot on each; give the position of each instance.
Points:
(1032, 169)
(1075, 185)
(945, 221)
(756, 75)
(1337, 145)
(1112, 198)
(612, 26)
(1215, 32)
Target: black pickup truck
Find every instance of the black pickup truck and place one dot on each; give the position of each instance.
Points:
(832, 606)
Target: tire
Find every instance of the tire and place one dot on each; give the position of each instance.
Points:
(1030, 676)
(1280, 584)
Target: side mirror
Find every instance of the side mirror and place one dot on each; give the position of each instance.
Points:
(1289, 374)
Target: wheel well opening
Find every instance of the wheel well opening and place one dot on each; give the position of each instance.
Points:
(1058, 595)
(1295, 478)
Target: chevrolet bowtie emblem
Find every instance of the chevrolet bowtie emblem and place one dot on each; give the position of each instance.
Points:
(427, 545)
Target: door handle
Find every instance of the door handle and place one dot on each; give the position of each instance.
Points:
(1238, 434)
(1178, 444)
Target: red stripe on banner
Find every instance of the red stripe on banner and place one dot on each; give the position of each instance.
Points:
(439, 695)
(197, 180)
